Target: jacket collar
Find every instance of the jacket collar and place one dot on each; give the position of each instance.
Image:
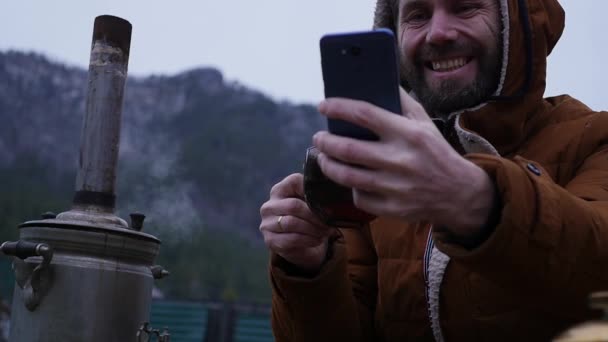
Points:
(531, 29)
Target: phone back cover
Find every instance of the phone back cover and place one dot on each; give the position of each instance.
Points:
(361, 66)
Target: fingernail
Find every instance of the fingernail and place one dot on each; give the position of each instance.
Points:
(320, 157)
(316, 139)
(322, 106)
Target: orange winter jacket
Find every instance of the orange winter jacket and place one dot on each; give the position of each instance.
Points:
(394, 281)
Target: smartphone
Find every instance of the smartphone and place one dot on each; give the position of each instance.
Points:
(361, 66)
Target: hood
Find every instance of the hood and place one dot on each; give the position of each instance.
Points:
(531, 29)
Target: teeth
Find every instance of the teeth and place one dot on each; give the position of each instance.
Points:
(449, 65)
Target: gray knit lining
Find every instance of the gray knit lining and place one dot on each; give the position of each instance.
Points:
(472, 143)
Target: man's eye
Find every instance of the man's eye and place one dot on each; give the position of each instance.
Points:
(466, 8)
(417, 16)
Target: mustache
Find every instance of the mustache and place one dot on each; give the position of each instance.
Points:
(433, 52)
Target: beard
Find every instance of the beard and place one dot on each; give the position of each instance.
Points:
(452, 95)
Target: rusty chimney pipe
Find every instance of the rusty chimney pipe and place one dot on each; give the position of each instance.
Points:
(96, 178)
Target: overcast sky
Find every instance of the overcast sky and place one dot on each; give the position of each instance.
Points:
(269, 45)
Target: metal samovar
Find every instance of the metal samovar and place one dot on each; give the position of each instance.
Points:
(85, 274)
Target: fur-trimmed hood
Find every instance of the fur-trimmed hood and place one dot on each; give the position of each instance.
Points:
(531, 29)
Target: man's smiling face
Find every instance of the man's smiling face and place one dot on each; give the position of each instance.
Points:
(450, 51)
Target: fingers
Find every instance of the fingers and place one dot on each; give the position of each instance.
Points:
(348, 150)
(292, 241)
(290, 186)
(360, 113)
(305, 252)
(288, 224)
(289, 242)
(369, 154)
(294, 213)
(374, 118)
(385, 124)
(289, 206)
(290, 229)
(351, 176)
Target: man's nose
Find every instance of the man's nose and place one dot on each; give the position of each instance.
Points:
(441, 29)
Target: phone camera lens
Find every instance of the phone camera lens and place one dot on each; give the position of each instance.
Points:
(355, 50)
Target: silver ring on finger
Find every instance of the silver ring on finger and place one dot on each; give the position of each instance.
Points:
(279, 224)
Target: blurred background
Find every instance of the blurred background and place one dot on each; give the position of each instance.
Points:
(220, 105)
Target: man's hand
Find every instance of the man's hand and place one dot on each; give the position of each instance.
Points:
(290, 229)
(410, 172)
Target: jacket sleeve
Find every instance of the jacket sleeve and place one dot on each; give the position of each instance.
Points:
(335, 305)
(551, 242)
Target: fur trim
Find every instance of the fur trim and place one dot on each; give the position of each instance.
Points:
(384, 16)
(473, 143)
(506, 26)
(437, 265)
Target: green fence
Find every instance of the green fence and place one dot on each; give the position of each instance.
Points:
(186, 321)
(211, 322)
(252, 328)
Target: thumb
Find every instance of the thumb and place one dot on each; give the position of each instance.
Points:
(412, 108)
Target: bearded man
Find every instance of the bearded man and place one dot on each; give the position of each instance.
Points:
(492, 202)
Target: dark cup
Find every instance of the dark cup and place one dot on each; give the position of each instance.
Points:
(331, 202)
